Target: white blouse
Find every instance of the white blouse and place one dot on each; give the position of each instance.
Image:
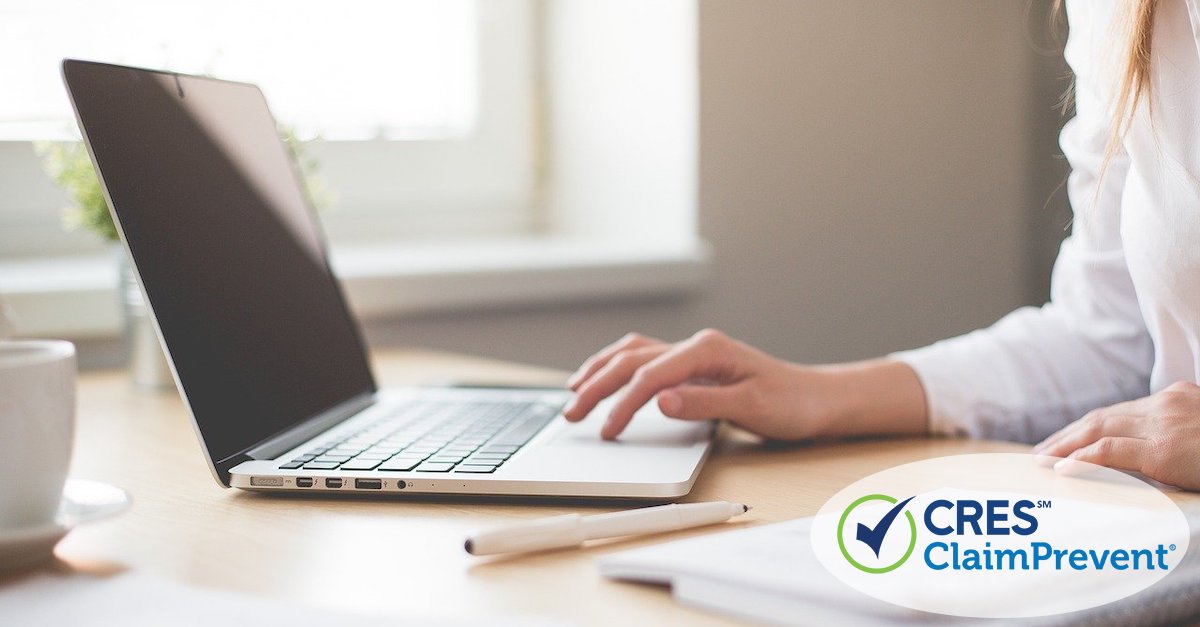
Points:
(1123, 320)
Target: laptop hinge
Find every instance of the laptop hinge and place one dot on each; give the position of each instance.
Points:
(293, 437)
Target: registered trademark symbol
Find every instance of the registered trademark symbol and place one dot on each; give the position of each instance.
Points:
(1172, 547)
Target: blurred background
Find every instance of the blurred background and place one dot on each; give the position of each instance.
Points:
(530, 179)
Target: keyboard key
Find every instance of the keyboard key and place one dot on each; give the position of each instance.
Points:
(487, 461)
(434, 467)
(361, 464)
(521, 433)
(433, 436)
(483, 453)
(476, 468)
(398, 464)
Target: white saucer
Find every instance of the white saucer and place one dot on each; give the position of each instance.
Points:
(82, 502)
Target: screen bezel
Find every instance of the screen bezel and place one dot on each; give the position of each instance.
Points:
(304, 426)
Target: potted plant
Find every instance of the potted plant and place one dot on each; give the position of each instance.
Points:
(69, 164)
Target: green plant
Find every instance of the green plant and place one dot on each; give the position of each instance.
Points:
(319, 193)
(70, 166)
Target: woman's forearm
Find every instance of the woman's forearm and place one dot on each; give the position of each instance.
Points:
(875, 397)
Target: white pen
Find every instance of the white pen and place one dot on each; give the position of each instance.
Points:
(568, 530)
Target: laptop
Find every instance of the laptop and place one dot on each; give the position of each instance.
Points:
(264, 350)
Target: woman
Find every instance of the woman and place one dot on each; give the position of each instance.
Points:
(1104, 373)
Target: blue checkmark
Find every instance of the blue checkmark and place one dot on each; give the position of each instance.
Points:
(873, 536)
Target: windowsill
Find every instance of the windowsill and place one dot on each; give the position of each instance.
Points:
(75, 297)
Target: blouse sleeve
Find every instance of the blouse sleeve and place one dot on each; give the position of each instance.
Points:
(1038, 369)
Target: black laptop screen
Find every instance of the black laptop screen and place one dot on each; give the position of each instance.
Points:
(228, 249)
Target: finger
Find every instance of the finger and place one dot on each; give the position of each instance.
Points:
(1051, 443)
(615, 374)
(1128, 408)
(594, 363)
(704, 402)
(686, 361)
(1108, 424)
(1122, 453)
(1066, 431)
(598, 361)
(1089, 422)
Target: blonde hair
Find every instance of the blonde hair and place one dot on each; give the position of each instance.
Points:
(1134, 83)
(1137, 30)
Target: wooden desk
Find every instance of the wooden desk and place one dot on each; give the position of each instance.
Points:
(403, 557)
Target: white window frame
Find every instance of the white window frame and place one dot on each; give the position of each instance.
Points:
(431, 200)
(610, 212)
(372, 202)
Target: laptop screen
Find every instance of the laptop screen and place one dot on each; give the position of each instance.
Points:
(230, 254)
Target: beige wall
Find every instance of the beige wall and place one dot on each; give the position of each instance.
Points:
(874, 176)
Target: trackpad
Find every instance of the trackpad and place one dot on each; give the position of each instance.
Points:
(654, 449)
(648, 428)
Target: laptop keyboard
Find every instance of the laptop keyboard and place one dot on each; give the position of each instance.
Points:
(435, 436)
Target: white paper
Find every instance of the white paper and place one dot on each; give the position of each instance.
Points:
(770, 574)
(767, 573)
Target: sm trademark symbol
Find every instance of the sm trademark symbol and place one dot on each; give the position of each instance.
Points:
(1043, 504)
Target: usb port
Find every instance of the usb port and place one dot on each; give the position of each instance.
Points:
(333, 482)
(304, 482)
(368, 484)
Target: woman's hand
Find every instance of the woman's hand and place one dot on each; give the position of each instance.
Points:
(713, 376)
(1157, 436)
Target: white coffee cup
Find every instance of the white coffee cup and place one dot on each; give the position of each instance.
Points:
(37, 427)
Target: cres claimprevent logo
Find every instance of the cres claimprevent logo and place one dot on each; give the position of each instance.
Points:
(998, 535)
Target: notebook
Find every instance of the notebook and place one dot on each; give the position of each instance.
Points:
(751, 574)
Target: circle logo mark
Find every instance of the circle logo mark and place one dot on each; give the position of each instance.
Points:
(873, 525)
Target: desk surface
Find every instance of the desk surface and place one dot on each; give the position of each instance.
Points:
(404, 557)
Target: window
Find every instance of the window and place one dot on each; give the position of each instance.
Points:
(408, 97)
(481, 152)
(403, 69)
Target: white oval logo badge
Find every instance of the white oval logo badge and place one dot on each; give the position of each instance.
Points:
(999, 536)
